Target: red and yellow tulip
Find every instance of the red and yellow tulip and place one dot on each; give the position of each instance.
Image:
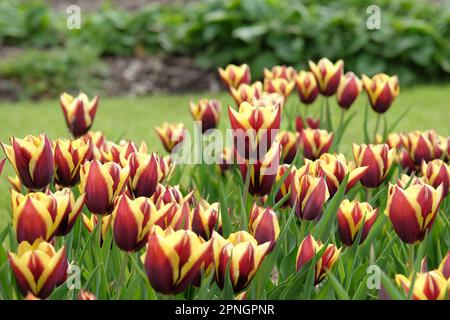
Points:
(436, 173)
(173, 215)
(306, 87)
(349, 89)
(263, 225)
(381, 90)
(170, 194)
(311, 123)
(171, 135)
(92, 221)
(315, 142)
(268, 100)
(234, 75)
(412, 211)
(444, 266)
(145, 174)
(290, 143)
(327, 74)
(38, 267)
(32, 160)
(422, 146)
(120, 153)
(207, 112)
(72, 212)
(281, 72)
(280, 86)
(308, 249)
(353, 216)
(79, 112)
(286, 184)
(247, 92)
(427, 285)
(405, 181)
(205, 218)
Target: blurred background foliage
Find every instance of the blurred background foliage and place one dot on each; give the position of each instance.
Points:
(413, 42)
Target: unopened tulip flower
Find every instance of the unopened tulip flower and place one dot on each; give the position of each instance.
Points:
(234, 75)
(308, 194)
(334, 167)
(92, 221)
(352, 217)
(327, 74)
(207, 112)
(306, 87)
(310, 123)
(290, 142)
(279, 85)
(173, 215)
(245, 254)
(378, 158)
(32, 160)
(102, 183)
(349, 89)
(145, 174)
(286, 184)
(436, 173)
(405, 181)
(79, 112)
(167, 166)
(171, 135)
(252, 126)
(262, 172)
(381, 90)
(263, 225)
(412, 211)
(422, 146)
(247, 92)
(86, 295)
(120, 153)
(444, 266)
(284, 72)
(315, 142)
(170, 194)
(268, 100)
(68, 158)
(72, 211)
(131, 222)
(393, 140)
(205, 218)
(174, 259)
(308, 249)
(38, 267)
(427, 285)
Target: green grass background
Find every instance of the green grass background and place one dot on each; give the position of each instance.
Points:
(135, 119)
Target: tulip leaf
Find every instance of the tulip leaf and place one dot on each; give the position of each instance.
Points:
(227, 227)
(397, 121)
(391, 288)
(227, 293)
(366, 124)
(337, 286)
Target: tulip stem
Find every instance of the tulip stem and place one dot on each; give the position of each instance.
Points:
(100, 226)
(122, 275)
(377, 125)
(329, 122)
(411, 257)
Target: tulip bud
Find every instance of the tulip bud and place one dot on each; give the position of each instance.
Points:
(91, 222)
(315, 142)
(405, 181)
(268, 100)
(306, 87)
(349, 88)
(102, 183)
(85, 295)
(412, 211)
(120, 153)
(170, 194)
(174, 259)
(72, 211)
(247, 92)
(280, 86)
(308, 249)
(290, 142)
(206, 111)
(32, 160)
(171, 135)
(286, 184)
(234, 75)
(378, 158)
(427, 286)
(263, 225)
(205, 218)
(131, 223)
(422, 146)
(173, 215)
(327, 74)
(145, 174)
(38, 267)
(308, 194)
(310, 123)
(444, 267)
(352, 217)
(245, 254)
(280, 72)
(167, 166)
(436, 173)
(79, 112)
(381, 90)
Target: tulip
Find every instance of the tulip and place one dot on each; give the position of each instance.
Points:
(422, 146)
(145, 174)
(86, 295)
(243, 255)
(334, 168)
(234, 75)
(327, 74)
(38, 267)
(173, 215)
(412, 211)
(405, 181)
(381, 90)
(308, 249)
(174, 259)
(406, 162)
(68, 158)
(280, 72)
(171, 135)
(120, 153)
(279, 85)
(263, 225)
(32, 160)
(79, 112)
(268, 100)
(349, 89)
(436, 173)
(352, 217)
(315, 142)
(254, 128)
(226, 159)
(207, 112)
(310, 123)
(393, 140)
(378, 158)
(167, 166)
(15, 183)
(247, 92)
(306, 87)
(444, 266)
(131, 223)
(170, 194)
(205, 218)
(308, 195)
(262, 172)
(91, 222)
(289, 142)
(72, 211)
(102, 183)
(427, 285)
(286, 184)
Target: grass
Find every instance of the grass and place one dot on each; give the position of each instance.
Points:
(136, 118)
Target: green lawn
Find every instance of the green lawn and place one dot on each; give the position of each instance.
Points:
(136, 118)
